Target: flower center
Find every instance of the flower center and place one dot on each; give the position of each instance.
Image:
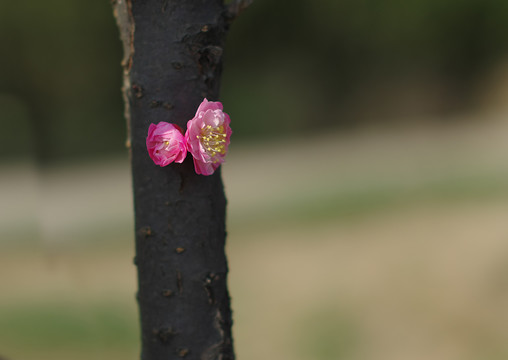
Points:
(213, 140)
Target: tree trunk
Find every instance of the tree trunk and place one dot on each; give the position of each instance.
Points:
(172, 60)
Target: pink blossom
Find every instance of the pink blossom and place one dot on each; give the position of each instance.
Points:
(166, 143)
(207, 137)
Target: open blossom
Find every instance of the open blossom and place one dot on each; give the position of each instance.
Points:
(166, 143)
(207, 137)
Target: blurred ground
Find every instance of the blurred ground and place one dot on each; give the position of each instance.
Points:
(383, 244)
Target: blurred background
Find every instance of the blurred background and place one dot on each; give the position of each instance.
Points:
(367, 181)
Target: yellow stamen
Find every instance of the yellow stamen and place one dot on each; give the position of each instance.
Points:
(213, 140)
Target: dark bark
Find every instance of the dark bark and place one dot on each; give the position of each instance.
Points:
(173, 57)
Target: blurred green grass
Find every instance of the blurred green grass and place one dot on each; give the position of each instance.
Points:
(325, 334)
(46, 326)
(343, 205)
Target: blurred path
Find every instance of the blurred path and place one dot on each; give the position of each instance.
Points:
(65, 203)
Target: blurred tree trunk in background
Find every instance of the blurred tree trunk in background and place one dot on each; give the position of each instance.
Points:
(172, 60)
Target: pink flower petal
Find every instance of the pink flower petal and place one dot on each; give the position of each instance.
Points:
(208, 136)
(165, 143)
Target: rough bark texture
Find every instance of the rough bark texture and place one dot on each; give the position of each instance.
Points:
(173, 56)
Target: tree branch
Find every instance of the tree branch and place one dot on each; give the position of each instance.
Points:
(173, 59)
